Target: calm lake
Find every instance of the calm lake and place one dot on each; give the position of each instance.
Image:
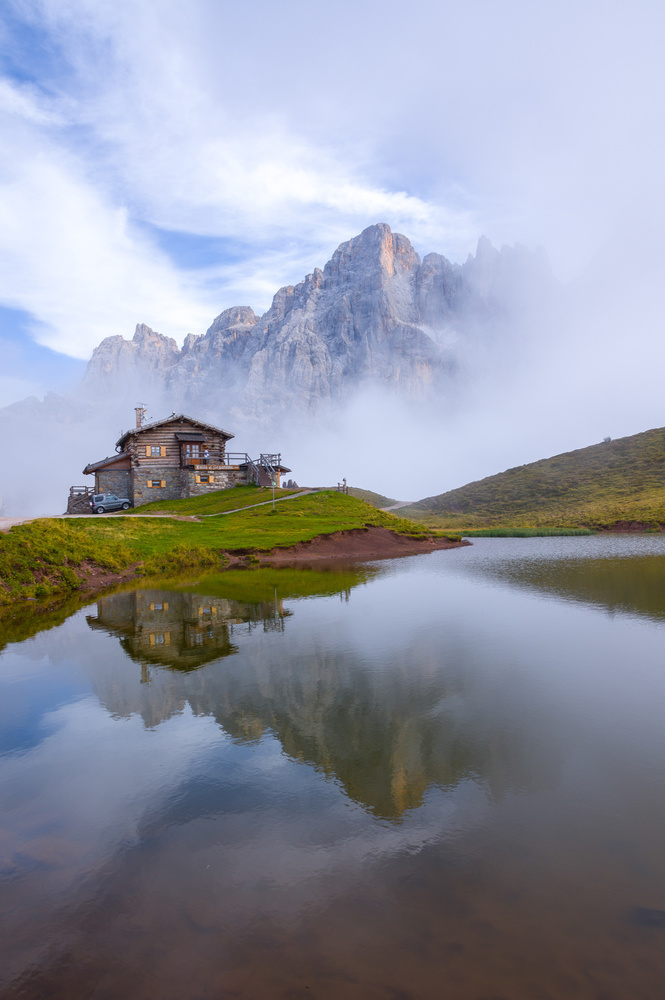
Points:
(433, 777)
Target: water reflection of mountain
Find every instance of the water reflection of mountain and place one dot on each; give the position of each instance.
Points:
(386, 731)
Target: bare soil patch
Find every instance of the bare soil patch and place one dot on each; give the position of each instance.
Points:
(359, 544)
(94, 579)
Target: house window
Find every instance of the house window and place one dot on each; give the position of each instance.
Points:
(160, 638)
(155, 450)
(193, 450)
(209, 478)
(156, 484)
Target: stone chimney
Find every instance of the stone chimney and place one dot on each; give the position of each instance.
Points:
(140, 414)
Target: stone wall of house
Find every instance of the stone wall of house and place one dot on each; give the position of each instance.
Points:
(142, 493)
(222, 479)
(178, 483)
(116, 481)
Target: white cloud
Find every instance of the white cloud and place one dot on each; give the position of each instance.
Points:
(12, 389)
(73, 259)
(150, 136)
(285, 131)
(25, 103)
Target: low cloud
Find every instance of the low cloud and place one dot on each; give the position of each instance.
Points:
(129, 126)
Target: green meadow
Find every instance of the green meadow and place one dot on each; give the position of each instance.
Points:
(53, 556)
(218, 502)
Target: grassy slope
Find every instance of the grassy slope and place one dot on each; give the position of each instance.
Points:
(622, 480)
(375, 499)
(47, 555)
(214, 503)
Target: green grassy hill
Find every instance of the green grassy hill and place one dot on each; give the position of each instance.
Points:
(217, 502)
(375, 499)
(243, 496)
(600, 486)
(52, 555)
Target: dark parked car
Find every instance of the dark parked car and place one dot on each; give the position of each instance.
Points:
(102, 502)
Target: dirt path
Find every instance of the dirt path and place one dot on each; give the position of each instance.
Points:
(8, 522)
(264, 503)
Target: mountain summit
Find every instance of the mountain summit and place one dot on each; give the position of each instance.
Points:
(375, 316)
(375, 313)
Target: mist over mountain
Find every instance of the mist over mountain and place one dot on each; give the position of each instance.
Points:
(378, 328)
(375, 314)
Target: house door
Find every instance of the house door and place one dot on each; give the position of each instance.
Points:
(191, 453)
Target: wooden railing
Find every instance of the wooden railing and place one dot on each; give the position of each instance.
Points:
(269, 462)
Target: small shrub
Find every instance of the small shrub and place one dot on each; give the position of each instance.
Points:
(69, 578)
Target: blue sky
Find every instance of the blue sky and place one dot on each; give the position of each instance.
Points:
(163, 161)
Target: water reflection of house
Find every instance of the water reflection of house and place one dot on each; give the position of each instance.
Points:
(180, 630)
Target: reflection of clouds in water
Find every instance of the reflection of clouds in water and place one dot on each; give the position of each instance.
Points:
(76, 801)
(448, 815)
(97, 790)
(296, 778)
(97, 775)
(282, 862)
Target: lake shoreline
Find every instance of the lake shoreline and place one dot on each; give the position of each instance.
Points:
(350, 545)
(361, 544)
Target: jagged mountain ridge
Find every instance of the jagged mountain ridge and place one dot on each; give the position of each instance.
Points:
(376, 315)
(375, 312)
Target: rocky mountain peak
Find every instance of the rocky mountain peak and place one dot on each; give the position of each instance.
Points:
(189, 342)
(149, 344)
(376, 245)
(236, 318)
(117, 358)
(485, 251)
(375, 312)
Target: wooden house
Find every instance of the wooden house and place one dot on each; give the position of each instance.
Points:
(174, 458)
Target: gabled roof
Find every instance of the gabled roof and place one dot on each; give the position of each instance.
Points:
(111, 460)
(120, 443)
